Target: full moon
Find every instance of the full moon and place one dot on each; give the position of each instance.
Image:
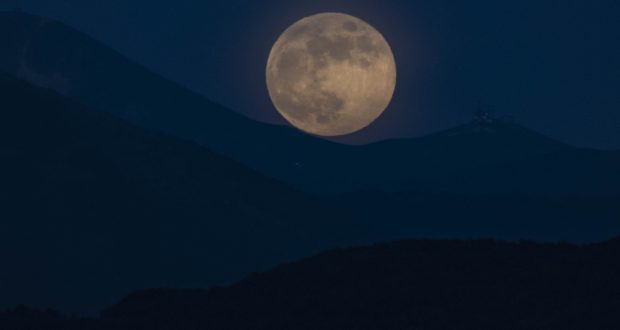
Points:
(331, 74)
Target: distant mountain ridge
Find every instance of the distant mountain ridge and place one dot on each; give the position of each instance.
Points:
(482, 284)
(51, 54)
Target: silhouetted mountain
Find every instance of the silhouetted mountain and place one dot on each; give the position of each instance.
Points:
(402, 215)
(582, 172)
(569, 195)
(51, 54)
(92, 207)
(428, 285)
(86, 198)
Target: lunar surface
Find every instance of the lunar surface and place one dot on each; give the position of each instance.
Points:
(331, 74)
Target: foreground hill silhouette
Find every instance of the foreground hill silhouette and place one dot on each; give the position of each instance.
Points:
(54, 55)
(92, 207)
(427, 285)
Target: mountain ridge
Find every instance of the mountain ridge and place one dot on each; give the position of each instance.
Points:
(55, 50)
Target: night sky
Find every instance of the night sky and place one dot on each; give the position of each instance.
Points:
(551, 65)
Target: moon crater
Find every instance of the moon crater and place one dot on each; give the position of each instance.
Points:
(331, 74)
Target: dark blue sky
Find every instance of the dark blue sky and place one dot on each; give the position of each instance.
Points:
(552, 65)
